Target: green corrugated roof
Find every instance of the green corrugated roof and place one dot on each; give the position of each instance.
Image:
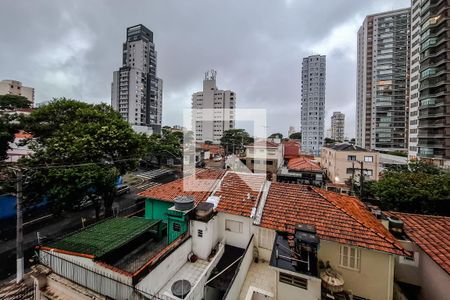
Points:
(104, 237)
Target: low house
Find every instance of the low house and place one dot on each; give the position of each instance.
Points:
(346, 240)
(264, 156)
(425, 274)
(344, 161)
(17, 149)
(301, 170)
(291, 149)
(227, 235)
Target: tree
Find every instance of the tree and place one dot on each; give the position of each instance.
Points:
(7, 131)
(276, 136)
(329, 141)
(164, 146)
(8, 122)
(235, 139)
(10, 102)
(416, 188)
(296, 136)
(95, 138)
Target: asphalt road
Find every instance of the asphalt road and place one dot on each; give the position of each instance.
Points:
(56, 227)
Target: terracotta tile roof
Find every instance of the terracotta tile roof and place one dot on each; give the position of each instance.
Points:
(338, 218)
(303, 164)
(22, 135)
(266, 144)
(431, 234)
(239, 193)
(200, 190)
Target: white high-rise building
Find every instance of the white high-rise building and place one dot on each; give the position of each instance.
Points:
(136, 92)
(213, 110)
(338, 126)
(14, 87)
(414, 79)
(313, 103)
(383, 81)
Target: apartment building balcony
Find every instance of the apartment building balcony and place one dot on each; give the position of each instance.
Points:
(431, 102)
(432, 112)
(430, 123)
(430, 153)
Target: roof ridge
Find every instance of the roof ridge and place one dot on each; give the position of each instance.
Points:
(357, 220)
(419, 215)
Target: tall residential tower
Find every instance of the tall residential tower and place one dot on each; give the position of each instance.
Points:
(213, 110)
(383, 81)
(313, 103)
(431, 78)
(136, 92)
(338, 126)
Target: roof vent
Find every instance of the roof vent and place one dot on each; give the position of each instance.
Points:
(214, 200)
(181, 288)
(395, 225)
(184, 203)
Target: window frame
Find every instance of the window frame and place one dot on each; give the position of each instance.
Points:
(345, 253)
(229, 228)
(296, 281)
(367, 157)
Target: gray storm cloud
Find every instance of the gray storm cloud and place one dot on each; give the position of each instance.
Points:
(70, 48)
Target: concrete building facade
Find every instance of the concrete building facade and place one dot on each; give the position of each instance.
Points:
(342, 161)
(212, 110)
(433, 136)
(338, 126)
(136, 91)
(14, 87)
(414, 80)
(383, 81)
(313, 103)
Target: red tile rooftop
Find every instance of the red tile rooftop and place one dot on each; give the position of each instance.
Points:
(240, 193)
(303, 164)
(430, 233)
(199, 189)
(266, 144)
(338, 218)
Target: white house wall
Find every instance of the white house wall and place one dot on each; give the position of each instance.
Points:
(159, 276)
(234, 238)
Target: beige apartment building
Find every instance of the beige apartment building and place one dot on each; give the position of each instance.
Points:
(341, 160)
(14, 87)
(264, 156)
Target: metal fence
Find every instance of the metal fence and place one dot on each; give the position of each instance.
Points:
(110, 284)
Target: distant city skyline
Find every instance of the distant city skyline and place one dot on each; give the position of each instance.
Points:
(259, 60)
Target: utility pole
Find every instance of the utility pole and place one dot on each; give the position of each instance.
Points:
(19, 229)
(353, 178)
(361, 180)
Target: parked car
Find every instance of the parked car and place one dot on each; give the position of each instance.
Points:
(124, 189)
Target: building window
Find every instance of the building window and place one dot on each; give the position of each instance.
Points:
(233, 226)
(200, 233)
(411, 261)
(294, 280)
(349, 170)
(368, 158)
(176, 227)
(349, 257)
(351, 157)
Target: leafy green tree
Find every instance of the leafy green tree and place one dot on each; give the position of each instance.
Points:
(329, 141)
(9, 122)
(93, 137)
(9, 102)
(276, 136)
(6, 135)
(415, 188)
(234, 140)
(164, 146)
(296, 136)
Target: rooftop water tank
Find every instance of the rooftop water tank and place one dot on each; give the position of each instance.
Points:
(184, 203)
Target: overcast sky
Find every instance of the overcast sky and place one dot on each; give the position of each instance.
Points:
(70, 48)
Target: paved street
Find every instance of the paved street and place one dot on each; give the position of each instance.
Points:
(54, 228)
